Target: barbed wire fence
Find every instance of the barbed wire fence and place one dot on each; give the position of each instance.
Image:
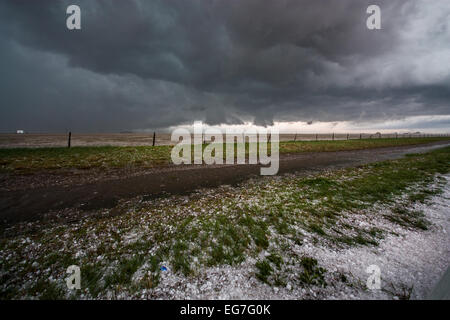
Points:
(154, 138)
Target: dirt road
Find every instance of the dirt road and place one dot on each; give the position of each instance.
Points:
(30, 204)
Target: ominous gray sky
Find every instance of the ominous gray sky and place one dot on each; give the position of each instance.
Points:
(154, 64)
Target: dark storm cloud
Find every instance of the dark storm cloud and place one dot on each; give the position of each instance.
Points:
(147, 64)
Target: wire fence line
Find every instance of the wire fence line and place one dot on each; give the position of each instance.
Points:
(17, 140)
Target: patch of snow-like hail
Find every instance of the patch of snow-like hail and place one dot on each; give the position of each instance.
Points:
(408, 260)
(131, 237)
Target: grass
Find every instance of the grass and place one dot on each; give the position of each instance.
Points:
(34, 159)
(264, 270)
(28, 160)
(312, 274)
(264, 219)
(405, 217)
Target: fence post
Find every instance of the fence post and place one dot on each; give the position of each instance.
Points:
(154, 138)
(70, 138)
(295, 138)
(317, 136)
(332, 137)
(347, 136)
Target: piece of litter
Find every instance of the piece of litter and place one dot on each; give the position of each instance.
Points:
(162, 268)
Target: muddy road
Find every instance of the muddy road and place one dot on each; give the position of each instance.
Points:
(30, 204)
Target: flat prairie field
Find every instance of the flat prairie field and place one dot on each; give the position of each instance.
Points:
(292, 236)
(130, 151)
(37, 140)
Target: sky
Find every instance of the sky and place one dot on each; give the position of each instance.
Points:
(302, 65)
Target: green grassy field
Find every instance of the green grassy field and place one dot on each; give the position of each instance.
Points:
(224, 226)
(33, 159)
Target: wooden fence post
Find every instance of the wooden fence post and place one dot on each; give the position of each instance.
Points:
(70, 138)
(154, 138)
(295, 138)
(317, 136)
(347, 136)
(332, 136)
